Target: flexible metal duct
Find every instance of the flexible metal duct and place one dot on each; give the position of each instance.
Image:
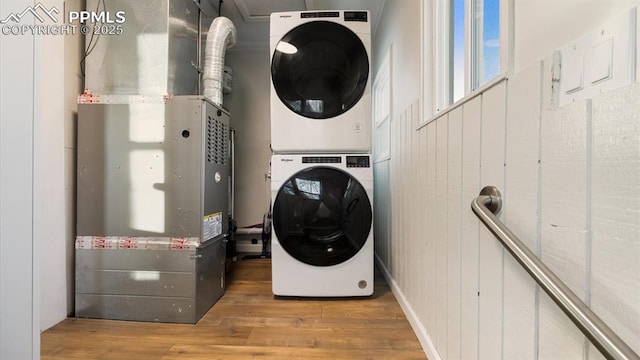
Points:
(222, 35)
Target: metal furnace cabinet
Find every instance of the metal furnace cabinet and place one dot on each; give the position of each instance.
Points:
(153, 206)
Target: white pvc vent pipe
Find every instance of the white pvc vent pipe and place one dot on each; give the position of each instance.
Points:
(222, 35)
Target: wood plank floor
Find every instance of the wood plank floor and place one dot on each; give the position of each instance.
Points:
(248, 322)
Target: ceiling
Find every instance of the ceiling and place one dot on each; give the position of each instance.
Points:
(251, 17)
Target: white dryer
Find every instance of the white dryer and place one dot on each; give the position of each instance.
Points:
(320, 82)
(322, 238)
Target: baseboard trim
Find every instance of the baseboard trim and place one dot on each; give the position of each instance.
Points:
(419, 329)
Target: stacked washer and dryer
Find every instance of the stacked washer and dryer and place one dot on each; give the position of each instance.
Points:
(321, 170)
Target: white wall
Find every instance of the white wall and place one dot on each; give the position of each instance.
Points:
(73, 86)
(19, 278)
(543, 26)
(250, 116)
(400, 17)
(35, 260)
(49, 175)
(564, 193)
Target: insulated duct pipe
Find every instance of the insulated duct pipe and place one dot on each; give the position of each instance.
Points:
(222, 34)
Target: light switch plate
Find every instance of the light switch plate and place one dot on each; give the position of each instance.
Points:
(572, 73)
(602, 60)
(602, 55)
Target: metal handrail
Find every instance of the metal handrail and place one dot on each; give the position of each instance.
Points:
(488, 203)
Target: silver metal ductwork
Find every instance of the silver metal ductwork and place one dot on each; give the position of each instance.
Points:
(154, 55)
(222, 35)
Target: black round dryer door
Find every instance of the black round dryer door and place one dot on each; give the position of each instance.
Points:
(320, 69)
(322, 216)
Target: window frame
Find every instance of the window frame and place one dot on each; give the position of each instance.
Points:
(382, 107)
(437, 79)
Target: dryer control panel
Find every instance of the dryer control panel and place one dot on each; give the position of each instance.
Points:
(355, 16)
(358, 161)
(348, 15)
(353, 161)
(319, 14)
(321, 160)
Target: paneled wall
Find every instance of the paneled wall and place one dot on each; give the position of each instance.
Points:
(569, 180)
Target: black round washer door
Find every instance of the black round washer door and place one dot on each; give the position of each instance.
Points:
(322, 216)
(320, 69)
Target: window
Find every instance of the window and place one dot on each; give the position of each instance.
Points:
(381, 95)
(469, 47)
(486, 42)
(457, 51)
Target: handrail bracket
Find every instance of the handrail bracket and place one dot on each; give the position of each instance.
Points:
(494, 203)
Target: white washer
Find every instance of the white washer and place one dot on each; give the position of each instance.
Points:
(322, 217)
(320, 82)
